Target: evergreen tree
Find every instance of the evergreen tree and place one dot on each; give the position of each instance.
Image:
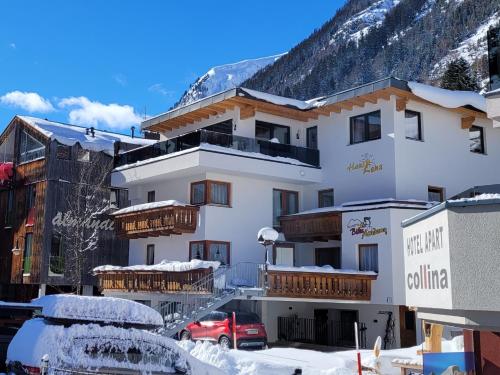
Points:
(459, 76)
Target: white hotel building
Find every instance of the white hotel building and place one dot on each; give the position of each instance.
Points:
(336, 176)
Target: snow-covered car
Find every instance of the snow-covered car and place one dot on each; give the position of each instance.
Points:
(97, 334)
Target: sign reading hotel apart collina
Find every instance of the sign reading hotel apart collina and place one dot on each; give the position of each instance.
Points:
(68, 220)
(364, 228)
(366, 165)
(427, 263)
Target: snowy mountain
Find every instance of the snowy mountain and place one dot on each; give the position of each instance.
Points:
(371, 39)
(224, 77)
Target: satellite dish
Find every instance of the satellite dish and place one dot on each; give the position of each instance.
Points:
(267, 236)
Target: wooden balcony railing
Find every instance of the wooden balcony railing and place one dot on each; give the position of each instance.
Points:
(320, 285)
(162, 221)
(312, 227)
(152, 281)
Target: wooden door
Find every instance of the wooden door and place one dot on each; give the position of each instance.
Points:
(407, 327)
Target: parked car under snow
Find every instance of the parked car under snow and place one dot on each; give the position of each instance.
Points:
(97, 334)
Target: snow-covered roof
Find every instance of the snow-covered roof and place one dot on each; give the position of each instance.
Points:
(68, 348)
(150, 206)
(71, 134)
(371, 204)
(478, 200)
(164, 265)
(448, 98)
(98, 309)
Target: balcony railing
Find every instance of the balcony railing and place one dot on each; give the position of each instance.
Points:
(153, 281)
(312, 227)
(294, 284)
(196, 138)
(163, 221)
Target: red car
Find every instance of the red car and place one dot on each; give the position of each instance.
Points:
(218, 326)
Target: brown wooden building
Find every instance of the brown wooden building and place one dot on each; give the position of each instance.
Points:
(43, 166)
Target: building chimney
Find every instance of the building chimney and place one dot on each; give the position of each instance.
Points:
(132, 128)
(87, 131)
(92, 131)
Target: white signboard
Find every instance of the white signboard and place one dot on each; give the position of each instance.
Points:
(427, 263)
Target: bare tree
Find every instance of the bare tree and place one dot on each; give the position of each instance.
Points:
(85, 200)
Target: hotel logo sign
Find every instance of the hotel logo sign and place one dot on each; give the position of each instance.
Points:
(367, 165)
(364, 228)
(427, 263)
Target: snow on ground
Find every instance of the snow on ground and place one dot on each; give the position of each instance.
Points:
(164, 265)
(102, 309)
(448, 98)
(69, 135)
(150, 206)
(283, 361)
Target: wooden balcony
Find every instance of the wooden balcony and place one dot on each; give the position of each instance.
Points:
(152, 281)
(292, 284)
(311, 227)
(154, 222)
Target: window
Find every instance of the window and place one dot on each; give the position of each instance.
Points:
(325, 198)
(150, 255)
(83, 155)
(435, 194)
(63, 152)
(151, 196)
(269, 131)
(30, 148)
(368, 258)
(28, 244)
(284, 203)
(476, 139)
(56, 262)
(225, 127)
(365, 127)
(210, 192)
(413, 125)
(312, 137)
(114, 198)
(30, 196)
(210, 250)
(284, 255)
(9, 212)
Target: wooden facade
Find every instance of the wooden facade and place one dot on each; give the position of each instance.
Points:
(152, 281)
(317, 285)
(312, 227)
(161, 221)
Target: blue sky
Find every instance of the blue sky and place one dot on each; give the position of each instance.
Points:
(76, 58)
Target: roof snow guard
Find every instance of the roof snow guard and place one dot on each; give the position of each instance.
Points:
(470, 105)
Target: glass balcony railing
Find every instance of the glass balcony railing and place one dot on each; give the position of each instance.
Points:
(196, 138)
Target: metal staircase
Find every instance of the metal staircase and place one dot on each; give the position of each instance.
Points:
(210, 293)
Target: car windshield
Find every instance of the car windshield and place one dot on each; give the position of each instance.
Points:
(247, 318)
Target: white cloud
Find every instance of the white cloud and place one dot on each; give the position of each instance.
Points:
(158, 88)
(120, 79)
(12, 45)
(28, 101)
(83, 111)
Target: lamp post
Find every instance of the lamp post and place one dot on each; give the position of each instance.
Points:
(267, 236)
(16, 251)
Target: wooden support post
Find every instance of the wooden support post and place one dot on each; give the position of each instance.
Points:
(467, 122)
(401, 104)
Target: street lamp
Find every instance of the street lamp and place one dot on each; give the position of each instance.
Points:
(267, 236)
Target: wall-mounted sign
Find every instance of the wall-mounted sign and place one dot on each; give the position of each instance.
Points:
(69, 221)
(366, 165)
(364, 228)
(427, 263)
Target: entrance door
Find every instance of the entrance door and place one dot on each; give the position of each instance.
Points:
(321, 326)
(328, 255)
(347, 319)
(408, 327)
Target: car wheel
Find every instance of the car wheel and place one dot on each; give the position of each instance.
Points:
(224, 342)
(185, 335)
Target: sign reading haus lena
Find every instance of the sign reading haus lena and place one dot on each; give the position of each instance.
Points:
(427, 263)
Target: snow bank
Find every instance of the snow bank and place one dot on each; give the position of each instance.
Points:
(164, 265)
(448, 98)
(68, 348)
(477, 198)
(70, 135)
(150, 206)
(317, 269)
(98, 309)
